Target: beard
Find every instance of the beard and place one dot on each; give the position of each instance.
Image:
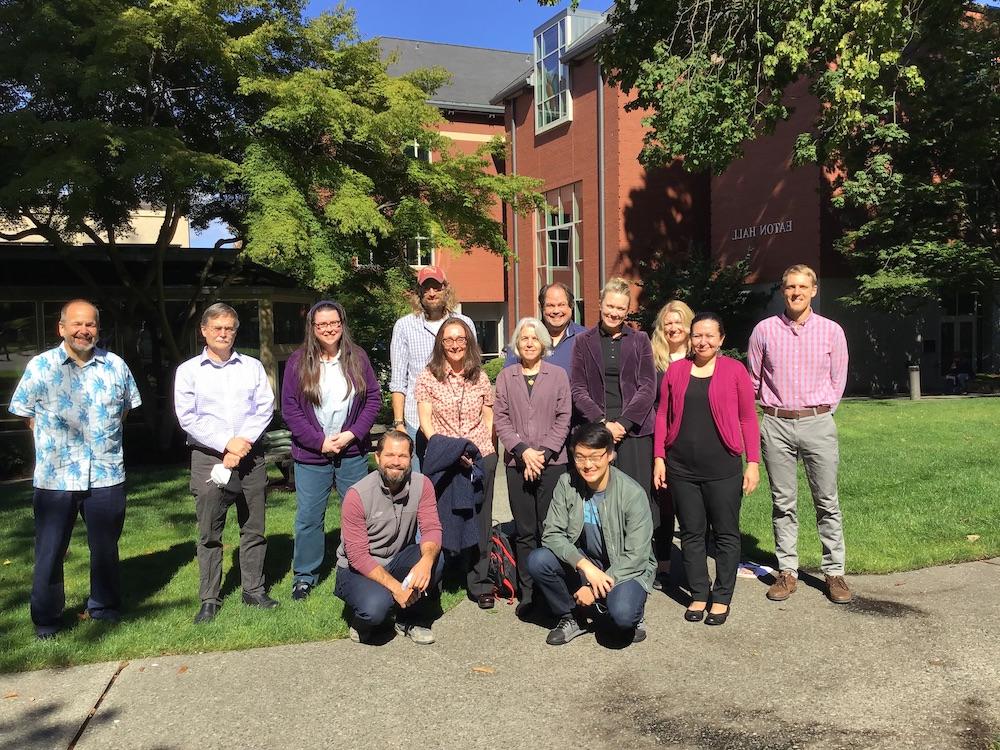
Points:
(431, 308)
(394, 478)
(81, 345)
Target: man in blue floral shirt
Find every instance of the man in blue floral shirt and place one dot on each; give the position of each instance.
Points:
(75, 398)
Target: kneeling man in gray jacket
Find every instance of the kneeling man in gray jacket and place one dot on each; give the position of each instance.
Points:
(596, 544)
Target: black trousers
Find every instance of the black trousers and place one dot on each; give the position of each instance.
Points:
(478, 576)
(529, 504)
(699, 503)
(663, 536)
(634, 456)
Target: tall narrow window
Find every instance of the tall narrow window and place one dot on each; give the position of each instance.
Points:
(552, 103)
(414, 150)
(558, 255)
(420, 252)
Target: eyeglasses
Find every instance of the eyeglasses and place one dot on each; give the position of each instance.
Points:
(456, 341)
(222, 329)
(332, 325)
(594, 459)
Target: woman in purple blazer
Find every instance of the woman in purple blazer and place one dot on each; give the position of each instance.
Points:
(329, 399)
(705, 422)
(613, 381)
(532, 415)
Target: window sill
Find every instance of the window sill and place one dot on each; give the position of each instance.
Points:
(553, 125)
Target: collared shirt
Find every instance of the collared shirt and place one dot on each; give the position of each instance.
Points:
(410, 351)
(217, 401)
(78, 413)
(336, 395)
(457, 406)
(561, 354)
(795, 366)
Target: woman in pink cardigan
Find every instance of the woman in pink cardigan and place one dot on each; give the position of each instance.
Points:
(705, 423)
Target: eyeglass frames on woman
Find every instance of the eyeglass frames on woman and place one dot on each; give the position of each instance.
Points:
(332, 325)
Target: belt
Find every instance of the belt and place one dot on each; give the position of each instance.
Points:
(812, 411)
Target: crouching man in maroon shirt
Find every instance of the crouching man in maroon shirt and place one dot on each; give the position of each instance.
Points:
(380, 563)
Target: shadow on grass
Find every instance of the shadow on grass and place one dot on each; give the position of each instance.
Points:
(278, 562)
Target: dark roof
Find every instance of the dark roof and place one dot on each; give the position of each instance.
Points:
(476, 72)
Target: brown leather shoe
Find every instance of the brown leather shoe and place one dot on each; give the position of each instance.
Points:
(783, 587)
(837, 591)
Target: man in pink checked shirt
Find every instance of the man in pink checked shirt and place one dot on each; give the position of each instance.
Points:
(798, 366)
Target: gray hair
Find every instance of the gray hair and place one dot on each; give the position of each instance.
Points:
(219, 310)
(540, 331)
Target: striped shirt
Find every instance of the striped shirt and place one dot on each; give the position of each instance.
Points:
(217, 401)
(410, 351)
(795, 366)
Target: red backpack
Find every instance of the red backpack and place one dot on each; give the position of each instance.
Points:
(503, 568)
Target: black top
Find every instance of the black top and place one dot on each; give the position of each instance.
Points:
(529, 380)
(698, 453)
(611, 353)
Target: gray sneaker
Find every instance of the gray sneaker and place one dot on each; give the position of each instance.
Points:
(567, 629)
(358, 636)
(416, 633)
(640, 632)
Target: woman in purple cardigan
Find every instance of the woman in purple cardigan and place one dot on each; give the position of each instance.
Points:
(705, 422)
(532, 413)
(613, 381)
(329, 400)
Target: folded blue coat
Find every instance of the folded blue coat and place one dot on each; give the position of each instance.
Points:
(459, 489)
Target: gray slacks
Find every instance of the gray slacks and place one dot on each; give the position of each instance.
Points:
(211, 505)
(814, 439)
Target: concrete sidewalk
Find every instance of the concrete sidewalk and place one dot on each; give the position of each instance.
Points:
(915, 661)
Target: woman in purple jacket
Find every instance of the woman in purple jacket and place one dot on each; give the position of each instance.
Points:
(532, 414)
(705, 422)
(329, 400)
(613, 381)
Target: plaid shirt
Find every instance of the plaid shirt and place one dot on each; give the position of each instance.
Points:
(78, 413)
(796, 366)
(409, 353)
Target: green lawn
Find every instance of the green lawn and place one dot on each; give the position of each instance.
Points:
(160, 581)
(916, 478)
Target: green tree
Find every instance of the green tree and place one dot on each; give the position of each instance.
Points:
(908, 95)
(288, 130)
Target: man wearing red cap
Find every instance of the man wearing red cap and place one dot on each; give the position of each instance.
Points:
(412, 343)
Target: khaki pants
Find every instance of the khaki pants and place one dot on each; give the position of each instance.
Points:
(814, 439)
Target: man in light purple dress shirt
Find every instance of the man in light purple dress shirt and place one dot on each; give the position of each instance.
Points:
(798, 367)
(224, 403)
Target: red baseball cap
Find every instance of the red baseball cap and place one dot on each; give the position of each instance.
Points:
(428, 273)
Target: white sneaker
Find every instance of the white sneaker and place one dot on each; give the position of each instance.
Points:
(416, 633)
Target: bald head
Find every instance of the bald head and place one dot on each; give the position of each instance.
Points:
(78, 326)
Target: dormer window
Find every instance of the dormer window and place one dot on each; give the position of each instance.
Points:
(552, 100)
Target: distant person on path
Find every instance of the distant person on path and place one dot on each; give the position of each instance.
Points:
(555, 303)
(706, 420)
(224, 403)
(412, 344)
(75, 398)
(330, 399)
(380, 563)
(614, 382)
(596, 552)
(532, 413)
(798, 367)
(671, 342)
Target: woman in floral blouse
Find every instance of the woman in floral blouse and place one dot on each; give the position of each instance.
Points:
(455, 399)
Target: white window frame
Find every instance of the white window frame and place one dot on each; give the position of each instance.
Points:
(555, 199)
(415, 150)
(561, 96)
(420, 249)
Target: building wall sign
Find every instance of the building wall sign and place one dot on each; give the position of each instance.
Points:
(762, 230)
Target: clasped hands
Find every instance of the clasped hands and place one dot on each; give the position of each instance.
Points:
(336, 443)
(534, 462)
(237, 449)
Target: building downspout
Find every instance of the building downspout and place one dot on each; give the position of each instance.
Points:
(601, 262)
(514, 217)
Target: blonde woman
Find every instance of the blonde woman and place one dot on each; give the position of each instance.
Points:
(613, 381)
(671, 342)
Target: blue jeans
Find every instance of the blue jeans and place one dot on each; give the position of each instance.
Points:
(313, 484)
(415, 458)
(625, 603)
(372, 602)
(103, 511)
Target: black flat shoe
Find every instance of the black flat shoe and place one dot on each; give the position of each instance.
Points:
(486, 601)
(694, 615)
(717, 619)
(261, 601)
(207, 612)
